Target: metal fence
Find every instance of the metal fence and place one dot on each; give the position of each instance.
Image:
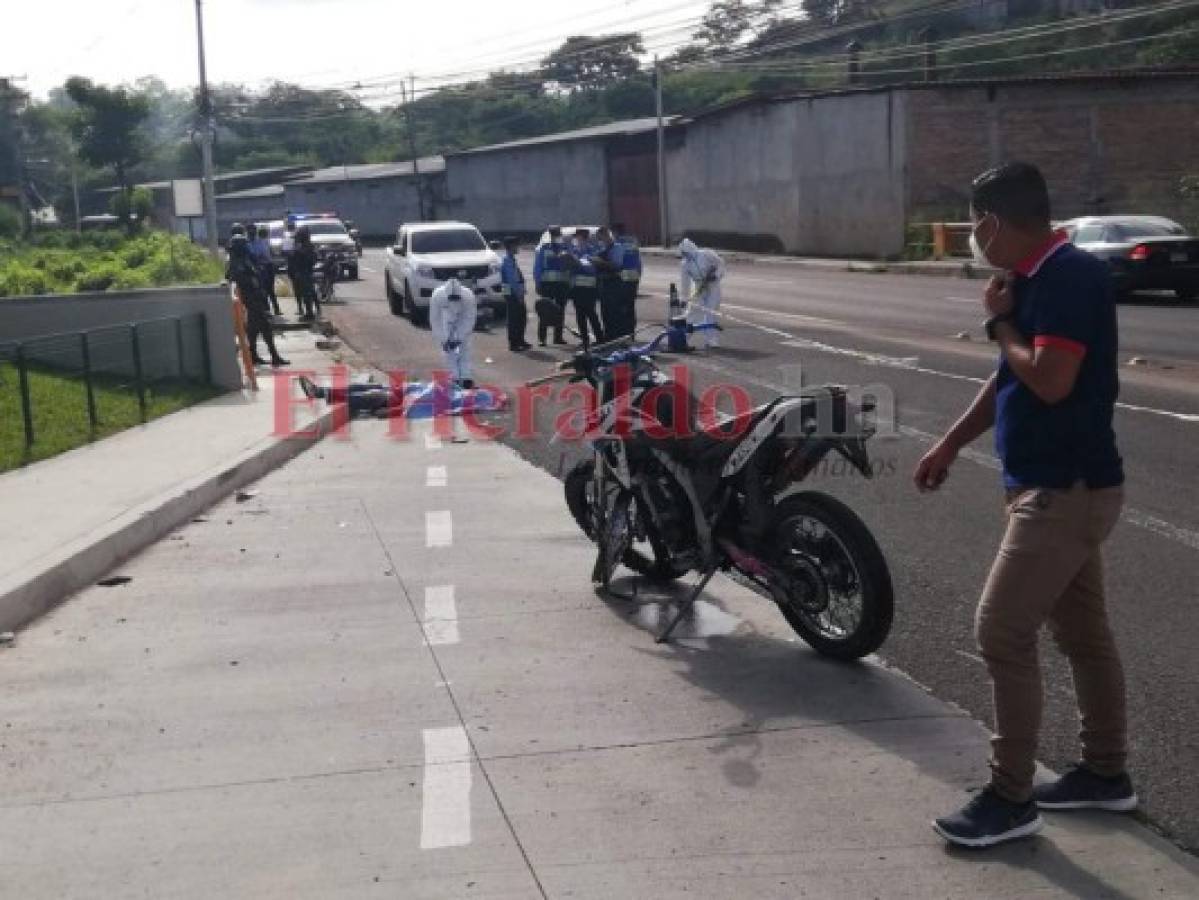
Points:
(111, 365)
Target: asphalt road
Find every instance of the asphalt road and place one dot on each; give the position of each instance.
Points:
(899, 333)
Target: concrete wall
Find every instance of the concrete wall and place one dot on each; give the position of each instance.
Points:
(377, 205)
(25, 318)
(1105, 146)
(821, 176)
(525, 189)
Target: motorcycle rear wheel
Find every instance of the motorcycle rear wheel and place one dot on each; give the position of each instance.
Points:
(840, 599)
(655, 565)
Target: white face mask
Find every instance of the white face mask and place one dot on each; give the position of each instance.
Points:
(979, 251)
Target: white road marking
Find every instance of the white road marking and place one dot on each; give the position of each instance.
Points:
(795, 317)
(445, 798)
(436, 476)
(432, 441)
(441, 615)
(439, 528)
(1131, 514)
(977, 301)
(971, 656)
(909, 364)
(365, 268)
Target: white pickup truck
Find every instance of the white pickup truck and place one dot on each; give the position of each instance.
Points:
(427, 254)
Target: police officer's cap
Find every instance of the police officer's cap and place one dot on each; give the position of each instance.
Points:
(511, 241)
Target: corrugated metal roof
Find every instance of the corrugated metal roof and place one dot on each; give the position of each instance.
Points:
(626, 127)
(270, 190)
(1115, 75)
(429, 165)
(281, 171)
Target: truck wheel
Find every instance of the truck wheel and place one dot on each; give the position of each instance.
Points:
(416, 315)
(393, 299)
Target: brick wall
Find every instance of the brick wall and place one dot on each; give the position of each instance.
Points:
(1106, 146)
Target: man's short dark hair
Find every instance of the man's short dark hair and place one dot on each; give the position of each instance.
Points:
(1015, 192)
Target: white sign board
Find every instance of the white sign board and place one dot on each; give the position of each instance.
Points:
(188, 194)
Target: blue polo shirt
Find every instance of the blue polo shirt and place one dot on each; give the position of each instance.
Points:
(1063, 298)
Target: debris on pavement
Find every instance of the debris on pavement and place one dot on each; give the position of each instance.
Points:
(243, 496)
(114, 580)
(8, 639)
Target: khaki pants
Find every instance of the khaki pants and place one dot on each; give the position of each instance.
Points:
(1049, 569)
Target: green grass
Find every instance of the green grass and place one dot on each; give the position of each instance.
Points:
(65, 263)
(60, 414)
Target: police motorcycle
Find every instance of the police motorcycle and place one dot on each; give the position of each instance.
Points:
(665, 496)
(324, 275)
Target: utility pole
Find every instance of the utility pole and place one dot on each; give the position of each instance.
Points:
(206, 138)
(411, 96)
(9, 101)
(75, 193)
(663, 215)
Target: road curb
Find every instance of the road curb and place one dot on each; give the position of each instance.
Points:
(27, 596)
(964, 269)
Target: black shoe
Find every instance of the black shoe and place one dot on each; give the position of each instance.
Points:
(310, 388)
(561, 342)
(1083, 789)
(988, 819)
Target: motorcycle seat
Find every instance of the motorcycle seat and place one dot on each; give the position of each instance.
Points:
(711, 443)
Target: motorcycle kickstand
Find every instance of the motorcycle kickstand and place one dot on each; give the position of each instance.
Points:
(685, 607)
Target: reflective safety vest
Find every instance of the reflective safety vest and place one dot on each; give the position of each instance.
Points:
(552, 270)
(584, 276)
(630, 267)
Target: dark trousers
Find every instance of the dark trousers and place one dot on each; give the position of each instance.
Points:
(628, 294)
(556, 293)
(611, 308)
(518, 318)
(258, 323)
(585, 315)
(307, 300)
(266, 274)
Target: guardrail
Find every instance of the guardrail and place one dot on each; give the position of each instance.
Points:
(135, 358)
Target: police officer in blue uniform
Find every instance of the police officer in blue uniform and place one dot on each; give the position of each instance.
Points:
(608, 259)
(584, 287)
(513, 281)
(551, 278)
(630, 276)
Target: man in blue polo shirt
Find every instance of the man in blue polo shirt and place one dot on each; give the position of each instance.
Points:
(1051, 401)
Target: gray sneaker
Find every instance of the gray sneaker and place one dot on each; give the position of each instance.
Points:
(1081, 788)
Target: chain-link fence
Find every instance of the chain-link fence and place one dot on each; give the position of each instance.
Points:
(61, 390)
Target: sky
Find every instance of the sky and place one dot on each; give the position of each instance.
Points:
(318, 43)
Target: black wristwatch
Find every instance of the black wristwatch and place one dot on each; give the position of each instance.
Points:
(991, 323)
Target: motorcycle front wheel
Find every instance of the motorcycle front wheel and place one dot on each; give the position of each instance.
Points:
(653, 563)
(837, 591)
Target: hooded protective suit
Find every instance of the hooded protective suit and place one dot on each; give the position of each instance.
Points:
(452, 315)
(702, 271)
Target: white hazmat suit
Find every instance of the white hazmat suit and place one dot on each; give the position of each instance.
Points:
(452, 315)
(702, 273)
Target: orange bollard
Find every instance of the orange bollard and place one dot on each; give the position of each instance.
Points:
(243, 341)
(938, 240)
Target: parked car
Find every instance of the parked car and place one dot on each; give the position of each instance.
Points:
(1143, 252)
(330, 239)
(427, 254)
(279, 240)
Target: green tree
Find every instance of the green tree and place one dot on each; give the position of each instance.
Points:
(590, 63)
(135, 207)
(108, 128)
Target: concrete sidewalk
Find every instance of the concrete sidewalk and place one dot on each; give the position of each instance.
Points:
(387, 675)
(960, 268)
(67, 520)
